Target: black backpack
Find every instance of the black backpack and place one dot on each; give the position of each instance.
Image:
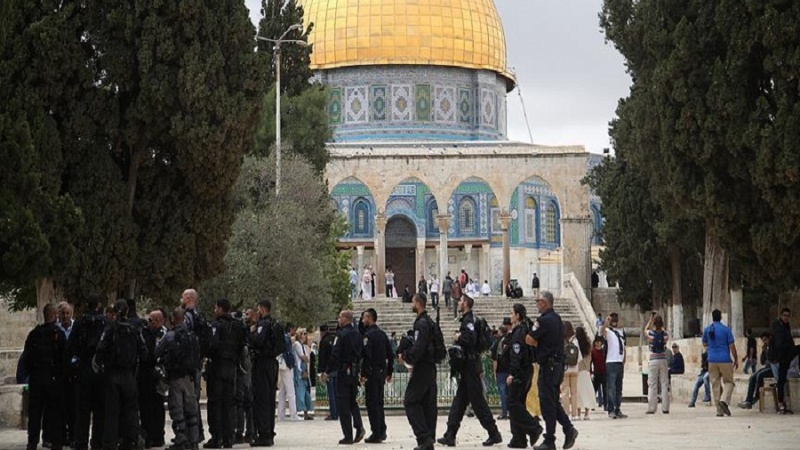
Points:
(201, 329)
(125, 348)
(439, 351)
(483, 334)
(571, 353)
(658, 345)
(184, 356)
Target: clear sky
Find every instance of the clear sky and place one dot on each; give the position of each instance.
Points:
(570, 79)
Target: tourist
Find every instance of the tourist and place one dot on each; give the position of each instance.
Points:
(754, 384)
(785, 351)
(535, 285)
(569, 386)
(586, 396)
(702, 380)
(750, 358)
(302, 374)
(547, 335)
(615, 364)
(472, 288)
(486, 289)
(598, 372)
(599, 322)
(287, 363)
(366, 284)
(389, 282)
(406, 295)
(354, 290)
(434, 290)
(422, 285)
(657, 368)
(722, 362)
(676, 366)
(463, 278)
(447, 287)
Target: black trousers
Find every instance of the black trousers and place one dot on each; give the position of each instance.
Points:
(550, 377)
(420, 402)
(222, 401)
(244, 405)
(373, 391)
(522, 423)
(349, 413)
(45, 409)
(151, 407)
(121, 408)
(89, 409)
(265, 381)
(599, 384)
(470, 392)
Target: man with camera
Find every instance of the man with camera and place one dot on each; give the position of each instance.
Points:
(615, 364)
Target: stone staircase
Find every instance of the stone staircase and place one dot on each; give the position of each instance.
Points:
(395, 316)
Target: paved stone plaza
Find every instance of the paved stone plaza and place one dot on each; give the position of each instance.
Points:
(683, 428)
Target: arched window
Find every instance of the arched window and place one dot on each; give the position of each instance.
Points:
(361, 218)
(530, 220)
(466, 216)
(494, 207)
(433, 224)
(551, 223)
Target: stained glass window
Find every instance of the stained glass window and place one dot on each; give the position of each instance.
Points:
(466, 216)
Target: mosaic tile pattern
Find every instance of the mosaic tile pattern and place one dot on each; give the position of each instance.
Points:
(422, 102)
(402, 103)
(378, 102)
(445, 104)
(335, 106)
(356, 104)
(488, 108)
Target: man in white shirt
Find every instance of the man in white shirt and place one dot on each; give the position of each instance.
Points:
(486, 289)
(615, 364)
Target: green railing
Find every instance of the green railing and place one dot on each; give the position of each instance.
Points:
(445, 384)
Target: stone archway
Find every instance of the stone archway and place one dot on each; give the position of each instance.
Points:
(401, 243)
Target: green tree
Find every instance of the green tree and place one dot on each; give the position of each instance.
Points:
(706, 97)
(284, 248)
(277, 17)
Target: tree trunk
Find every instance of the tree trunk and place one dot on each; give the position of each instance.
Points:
(716, 294)
(737, 311)
(676, 322)
(46, 292)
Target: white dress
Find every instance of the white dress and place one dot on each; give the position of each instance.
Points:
(586, 398)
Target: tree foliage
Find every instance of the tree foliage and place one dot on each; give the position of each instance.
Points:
(277, 17)
(152, 106)
(284, 248)
(713, 109)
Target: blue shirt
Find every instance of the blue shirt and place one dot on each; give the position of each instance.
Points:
(718, 346)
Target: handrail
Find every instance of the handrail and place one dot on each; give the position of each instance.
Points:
(574, 292)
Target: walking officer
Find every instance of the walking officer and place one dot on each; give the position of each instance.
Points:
(345, 358)
(547, 335)
(244, 393)
(266, 339)
(470, 388)
(228, 337)
(520, 364)
(377, 365)
(44, 362)
(151, 403)
(119, 352)
(420, 398)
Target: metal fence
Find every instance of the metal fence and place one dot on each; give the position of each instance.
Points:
(445, 384)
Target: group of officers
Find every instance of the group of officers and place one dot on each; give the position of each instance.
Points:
(118, 369)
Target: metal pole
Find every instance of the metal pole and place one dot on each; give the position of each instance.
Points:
(277, 119)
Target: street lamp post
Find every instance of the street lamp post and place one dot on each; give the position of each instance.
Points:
(277, 50)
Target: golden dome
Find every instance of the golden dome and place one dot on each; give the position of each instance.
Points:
(460, 33)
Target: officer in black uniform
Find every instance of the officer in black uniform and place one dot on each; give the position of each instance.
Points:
(81, 348)
(228, 337)
(470, 388)
(377, 365)
(244, 392)
(329, 378)
(44, 361)
(345, 358)
(119, 352)
(197, 323)
(420, 397)
(547, 335)
(266, 340)
(520, 365)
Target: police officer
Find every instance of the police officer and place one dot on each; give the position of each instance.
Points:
(81, 348)
(179, 353)
(470, 388)
(197, 323)
(344, 359)
(228, 337)
(44, 362)
(520, 365)
(244, 393)
(547, 335)
(119, 352)
(329, 378)
(266, 340)
(151, 403)
(376, 370)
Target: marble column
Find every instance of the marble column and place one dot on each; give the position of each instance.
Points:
(380, 254)
(420, 260)
(485, 265)
(360, 260)
(468, 251)
(576, 235)
(505, 220)
(443, 221)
